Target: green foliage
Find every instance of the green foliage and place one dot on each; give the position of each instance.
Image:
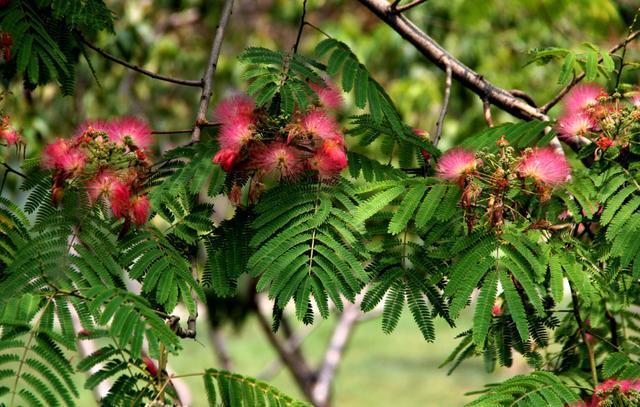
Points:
(535, 389)
(519, 136)
(278, 73)
(227, 254)
(46, 45)
(593, 62)
(234, 390)
(306, 244)
(426, 201)
(35, 368)
(164, 272)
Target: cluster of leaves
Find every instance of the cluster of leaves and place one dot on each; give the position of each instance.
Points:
(46, 38)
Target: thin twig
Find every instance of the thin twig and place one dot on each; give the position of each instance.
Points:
(11, 169)
(178, 81)
(394, 8)
(445, 105)
(624, 49)
(212, 64)
(203, 124)
(318, 29)
(301, 27)
(189, 131)
(207, 91)
(524, 96)
(486, 107)
(547, 106)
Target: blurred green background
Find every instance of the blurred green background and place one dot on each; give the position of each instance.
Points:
(173, 37)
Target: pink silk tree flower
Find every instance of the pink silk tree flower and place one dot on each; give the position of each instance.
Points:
(456, 163)
(635, 100)
(230, 109)
(571, 126)
(328, 94)
(582, 97)
(119, 199)
(10, 136)
(544, 165)
(226, 158)
(54, 152)
(140, 209)
(237, 133)
(334, 150)
(319, 124)
(60, 155)
(100, 184)
(136, 129)
(325, 166)
(279, 158)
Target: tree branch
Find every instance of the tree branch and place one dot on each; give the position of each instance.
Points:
(212, 64)
(486, 107)
(220, 348)
(301, 373)
(301, 27)
(462, 73)
(445, 105)
(547, 106)
(178, 81)
(335, 349)
(401, 9)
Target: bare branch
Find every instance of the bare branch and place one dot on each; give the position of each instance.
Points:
(220, 348)
(394, 8)
(445, 105)
(293, 343)
(212, 64)
(486, 107)
(335, 350)
(547, 106)
(462, 73)
(300, 371)
(177, 81)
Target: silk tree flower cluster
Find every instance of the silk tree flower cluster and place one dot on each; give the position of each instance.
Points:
(8, 135)
(611, 121)
(614, 393)
(254, 142)
(493, 184)
(108, 160)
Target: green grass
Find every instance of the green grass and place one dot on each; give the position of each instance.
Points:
(398, 370)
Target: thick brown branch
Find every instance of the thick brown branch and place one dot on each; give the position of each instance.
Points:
(462, 73)
(547, 106)
(212, 64)
(136, 68)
